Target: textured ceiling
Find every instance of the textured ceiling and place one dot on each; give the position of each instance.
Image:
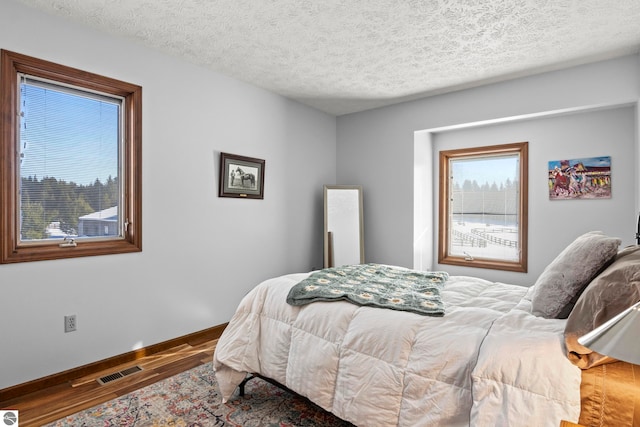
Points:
(343, 56)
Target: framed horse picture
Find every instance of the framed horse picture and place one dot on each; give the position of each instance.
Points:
(583, 178)
(241, 177)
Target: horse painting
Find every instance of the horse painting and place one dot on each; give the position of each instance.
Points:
(244, 176)
(585, 178)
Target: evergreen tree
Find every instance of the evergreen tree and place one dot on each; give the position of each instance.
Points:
(50, 200)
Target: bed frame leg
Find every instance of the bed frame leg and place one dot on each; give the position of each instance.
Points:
(243, 383)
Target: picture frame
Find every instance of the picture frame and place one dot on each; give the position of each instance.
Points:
(580, 178)
(241, 177)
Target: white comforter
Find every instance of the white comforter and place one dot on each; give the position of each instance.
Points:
(487, 362)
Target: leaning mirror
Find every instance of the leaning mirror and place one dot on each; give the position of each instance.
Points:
(343, 225)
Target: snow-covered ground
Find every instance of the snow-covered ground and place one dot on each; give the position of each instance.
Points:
(481, 240)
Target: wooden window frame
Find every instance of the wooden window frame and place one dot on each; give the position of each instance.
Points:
(444, 234)
(11, 251)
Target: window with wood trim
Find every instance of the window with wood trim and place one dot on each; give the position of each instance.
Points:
(483, 207)
(71, 162)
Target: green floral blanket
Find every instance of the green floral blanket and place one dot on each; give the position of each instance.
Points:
(376, 285)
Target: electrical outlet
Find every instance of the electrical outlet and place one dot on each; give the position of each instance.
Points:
(70, 324)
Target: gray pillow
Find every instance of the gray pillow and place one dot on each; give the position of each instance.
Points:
(561, 283)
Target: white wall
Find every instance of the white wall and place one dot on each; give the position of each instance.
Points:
(201, 253)
(384, 150)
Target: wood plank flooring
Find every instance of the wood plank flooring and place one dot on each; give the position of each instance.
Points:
(50, 404)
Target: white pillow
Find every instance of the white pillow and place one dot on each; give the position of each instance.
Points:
(561, 283)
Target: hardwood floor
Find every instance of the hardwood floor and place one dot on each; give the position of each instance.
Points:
(47, 405)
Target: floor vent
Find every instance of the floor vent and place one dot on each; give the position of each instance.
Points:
(118, 375)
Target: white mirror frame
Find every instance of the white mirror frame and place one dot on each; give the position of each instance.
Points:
(343, 225)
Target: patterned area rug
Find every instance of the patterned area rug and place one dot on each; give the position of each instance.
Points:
(192, 399)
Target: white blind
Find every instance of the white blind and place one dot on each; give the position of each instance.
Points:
(69, 162)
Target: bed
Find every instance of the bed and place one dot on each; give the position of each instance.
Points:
(496, 356)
